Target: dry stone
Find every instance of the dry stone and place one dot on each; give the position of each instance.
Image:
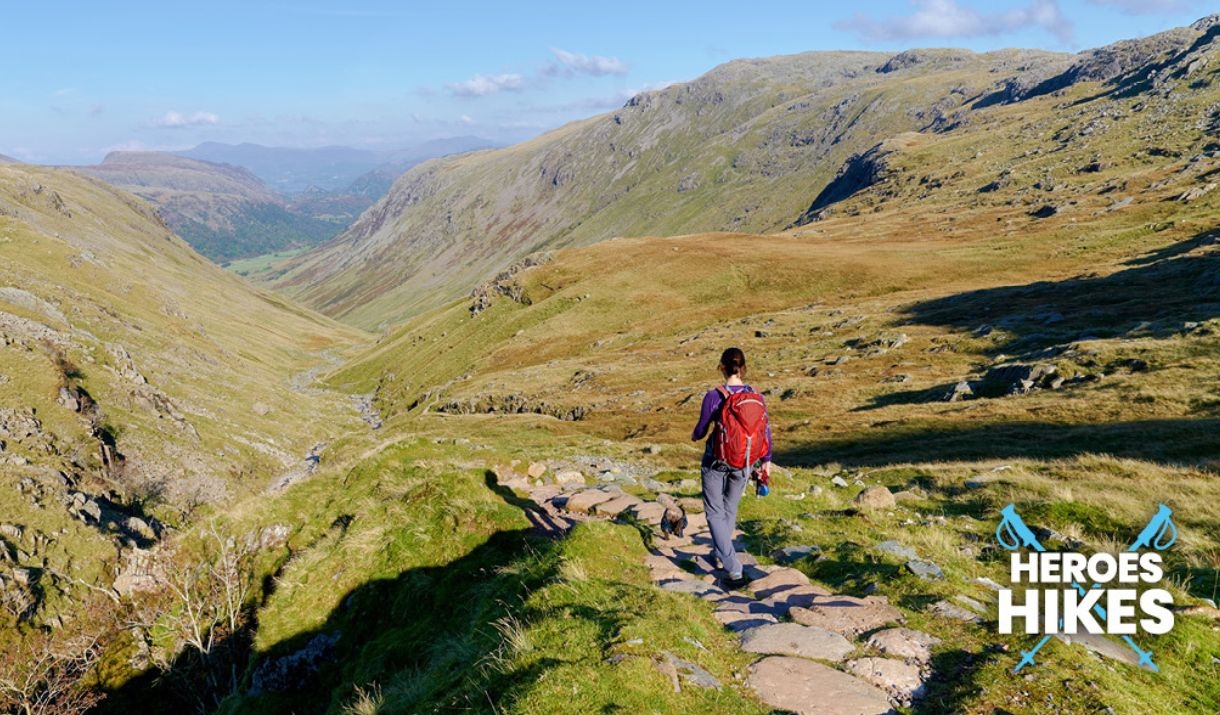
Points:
(876, 498)
(847, 615)
(902, 681)
(795, 639)
(696, 588)
(536, 469)
(586, 500)
(778, 580)
(569, 477)
(796, 597)
(739, 621)
(650, 512)
(904, 643)
(954, 611)
(808, 688)
(616, 506)
(1101, 645)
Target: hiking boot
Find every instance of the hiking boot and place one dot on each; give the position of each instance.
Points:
(735, 583)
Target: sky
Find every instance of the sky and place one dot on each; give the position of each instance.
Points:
(83, 78)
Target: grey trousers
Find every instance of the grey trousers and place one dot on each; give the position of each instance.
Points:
(722, 490)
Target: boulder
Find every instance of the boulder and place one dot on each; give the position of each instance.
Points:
(569, 477)
(536, 470)
(876, 498)
(808, 688)
(839, 481)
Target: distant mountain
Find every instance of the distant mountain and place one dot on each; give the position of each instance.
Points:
(223, 211)
(8, 160)
(334, 168)
(757, 146)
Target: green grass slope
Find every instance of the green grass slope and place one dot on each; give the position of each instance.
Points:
(140, 388)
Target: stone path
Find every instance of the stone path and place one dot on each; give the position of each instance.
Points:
(805, 634)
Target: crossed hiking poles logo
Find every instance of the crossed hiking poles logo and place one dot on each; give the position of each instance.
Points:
(1160, 534)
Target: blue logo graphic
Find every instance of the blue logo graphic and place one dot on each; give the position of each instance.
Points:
(1158, 535)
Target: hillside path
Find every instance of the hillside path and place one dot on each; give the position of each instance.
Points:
(820, 653)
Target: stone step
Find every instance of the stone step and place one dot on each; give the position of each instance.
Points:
(795, 639)
(904, 682)
(846, 615)
(906, 643)
(808, 688)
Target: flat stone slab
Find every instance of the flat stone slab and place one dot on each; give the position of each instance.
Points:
(847, 615)
(789, 554)
(545, 492)
(778, 580)
(741, 621)
(926, 570)
(904, 643)
(808, 688)
(796, 596)
(895, 548)
(949, 609)
(902, 681)
(586, 500)
(692, 673)
(795, 639)
(616, 506)
(1099, 644)
(650, 512)
(695, 588)
(745, 604)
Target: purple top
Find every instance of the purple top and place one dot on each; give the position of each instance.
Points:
(710, 412)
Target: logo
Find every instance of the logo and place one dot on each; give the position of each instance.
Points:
(1055, 600)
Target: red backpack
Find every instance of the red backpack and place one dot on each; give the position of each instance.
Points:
(742, 438)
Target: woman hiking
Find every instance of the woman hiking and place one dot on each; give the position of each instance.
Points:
(740, 443)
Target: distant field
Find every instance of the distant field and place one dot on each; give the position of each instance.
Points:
(248, 267)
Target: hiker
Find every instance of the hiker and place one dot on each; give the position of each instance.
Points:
(731, 456)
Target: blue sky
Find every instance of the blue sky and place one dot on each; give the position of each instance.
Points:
(83, 78)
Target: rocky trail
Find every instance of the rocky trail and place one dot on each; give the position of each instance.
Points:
(819, 652)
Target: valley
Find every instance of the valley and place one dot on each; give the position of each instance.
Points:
(377, 478)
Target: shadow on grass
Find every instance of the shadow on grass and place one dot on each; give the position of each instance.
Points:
(431, 637)
(1152, 298)
(952, 685)
(1170, 441)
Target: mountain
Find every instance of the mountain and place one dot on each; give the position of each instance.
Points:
(223, 211)
(142, 387)
(334, 168)
(8, 160)
(751, 146)
(1015, 306)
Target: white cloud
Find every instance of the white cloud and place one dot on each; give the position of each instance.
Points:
(482, 85)
(946, 18)
(468, 120)
(571, 63)
(176, 120)
(1148, 7)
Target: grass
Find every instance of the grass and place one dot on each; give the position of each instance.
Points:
(252, 267)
